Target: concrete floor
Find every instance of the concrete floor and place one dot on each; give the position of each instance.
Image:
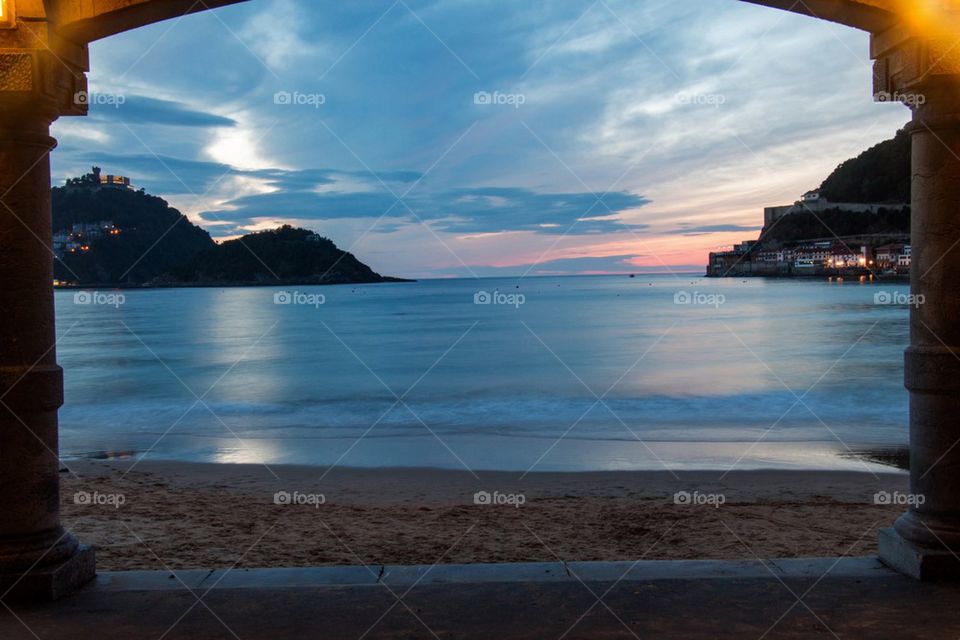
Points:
(824, 598)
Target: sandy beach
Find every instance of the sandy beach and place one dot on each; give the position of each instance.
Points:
(167, 515)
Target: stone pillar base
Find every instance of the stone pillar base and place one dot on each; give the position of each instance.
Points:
(920, 563)
(51, 583)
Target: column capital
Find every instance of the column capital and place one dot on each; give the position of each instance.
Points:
(41, 72)
(919, 54)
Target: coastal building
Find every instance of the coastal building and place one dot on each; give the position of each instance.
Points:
(844, 256)
(894, 257)
(81, 235)
(818, 253)
(815, 258)
(905, 258)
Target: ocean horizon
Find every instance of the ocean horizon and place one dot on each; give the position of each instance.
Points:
(577, 373)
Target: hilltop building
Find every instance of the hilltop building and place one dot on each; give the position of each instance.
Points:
(813, 201)
(97, 180)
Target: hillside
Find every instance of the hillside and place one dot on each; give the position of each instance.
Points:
(143, 221)
(891, 223)
(106, 233)
(881, 174)
(285, 255)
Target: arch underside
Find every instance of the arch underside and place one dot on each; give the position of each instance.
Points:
(870, 15)
(84, 21)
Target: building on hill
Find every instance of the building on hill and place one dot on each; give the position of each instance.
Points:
(814, 202)
(115, 182)
(97, 180)
(80, 235)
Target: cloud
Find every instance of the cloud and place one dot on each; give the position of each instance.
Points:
(715, 228)
(142, 110)
(705, 108)
(589, 265)
(164, 174)
(459, 211)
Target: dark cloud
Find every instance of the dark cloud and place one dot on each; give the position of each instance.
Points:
(463, 210)
(143, 110)
(714, 228)
(162, 174)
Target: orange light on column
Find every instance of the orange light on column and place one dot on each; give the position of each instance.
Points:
(7, 16)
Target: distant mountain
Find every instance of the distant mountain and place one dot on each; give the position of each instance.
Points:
(153, 238)
(106, 233)
(879, 175)
(286, 255)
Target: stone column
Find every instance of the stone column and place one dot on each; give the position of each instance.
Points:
(925, 541)
(38, 558)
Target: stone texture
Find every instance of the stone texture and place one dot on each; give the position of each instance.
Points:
(50, 582)
(850, 598)
(920, 563)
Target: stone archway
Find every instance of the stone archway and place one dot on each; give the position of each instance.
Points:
(43, 59)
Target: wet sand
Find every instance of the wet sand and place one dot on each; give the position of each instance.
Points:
(167, 515)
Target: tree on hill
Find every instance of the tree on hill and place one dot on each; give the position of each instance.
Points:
(154, 237)
(150, 242)
(881, 174)
(805, 226)
(286, 254)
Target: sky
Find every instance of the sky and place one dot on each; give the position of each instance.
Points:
(462, 138)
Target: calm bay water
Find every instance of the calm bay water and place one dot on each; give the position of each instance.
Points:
(577, 374)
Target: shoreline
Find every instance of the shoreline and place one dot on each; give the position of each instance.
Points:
(168, 515)
(225, 285)
(516, 454)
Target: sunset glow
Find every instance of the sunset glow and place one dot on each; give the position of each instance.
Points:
(596, 138)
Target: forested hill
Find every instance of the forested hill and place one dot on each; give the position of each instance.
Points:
(279, 255)
(881, 174)
(107, 233)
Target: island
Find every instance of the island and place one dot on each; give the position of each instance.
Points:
(106, 233)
